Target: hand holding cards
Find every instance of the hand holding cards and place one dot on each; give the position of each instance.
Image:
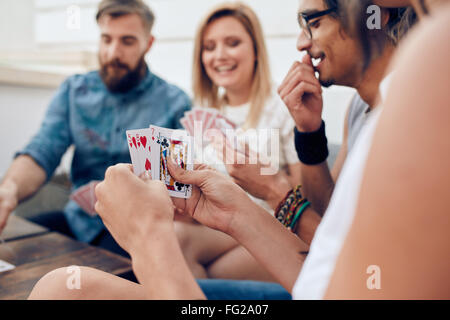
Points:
(208, 118)
(150, 149)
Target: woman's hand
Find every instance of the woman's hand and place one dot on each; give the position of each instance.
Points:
(253, 172)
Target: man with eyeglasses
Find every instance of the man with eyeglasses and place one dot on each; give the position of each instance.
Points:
(337, 59)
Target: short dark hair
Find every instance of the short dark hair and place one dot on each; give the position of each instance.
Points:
(117, 8)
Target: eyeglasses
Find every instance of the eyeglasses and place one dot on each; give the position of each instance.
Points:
(303, 20)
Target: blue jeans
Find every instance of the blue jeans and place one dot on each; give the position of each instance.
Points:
(221, 289)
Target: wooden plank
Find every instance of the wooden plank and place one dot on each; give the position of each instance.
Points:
(34, 257)
(29, 78)
(18, 227)
(28, 250)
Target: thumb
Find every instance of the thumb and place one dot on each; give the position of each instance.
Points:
(196, 177)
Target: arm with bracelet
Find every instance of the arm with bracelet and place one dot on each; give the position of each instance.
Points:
(302, 94)
(296, 214)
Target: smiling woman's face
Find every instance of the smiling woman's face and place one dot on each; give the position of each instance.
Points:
(228, 54)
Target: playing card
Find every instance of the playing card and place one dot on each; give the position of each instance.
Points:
(198, 114)
(85, 197)
(5, 266)
(140, 149)
(222, 122)
(145, 149)
(209, 116)
(132, 147)
(191, 120)
(186, 125)
(175, 144)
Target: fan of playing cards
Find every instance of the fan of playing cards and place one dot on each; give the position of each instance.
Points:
(149, 150)
(204, 119)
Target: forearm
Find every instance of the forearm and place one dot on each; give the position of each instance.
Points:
(278, 189)
(317, 186)
(307, 225)
(25, 176)
(161, 268)
(271, 244)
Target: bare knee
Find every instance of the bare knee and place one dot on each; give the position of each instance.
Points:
(72, 283)
(55, 285)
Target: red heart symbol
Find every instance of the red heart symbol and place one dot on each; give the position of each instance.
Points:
(144, 141)
(134, 141)
(148, 165)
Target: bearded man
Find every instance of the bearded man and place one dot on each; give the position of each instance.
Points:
(92, 113)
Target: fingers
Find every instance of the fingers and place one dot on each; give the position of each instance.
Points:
(298, 92)
(305, 68)
(306, 59)
(99, 195)
(300, 72)
(145, 176)
(180, 205)
(119, 171)
(202, 166)
(305, 87)
(299, 76)
(6, 207)
(196, 177)
(114, 175)
(3, 218)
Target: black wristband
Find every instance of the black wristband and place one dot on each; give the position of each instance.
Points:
(312, 147)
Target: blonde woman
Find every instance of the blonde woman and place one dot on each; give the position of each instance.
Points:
(231, 74)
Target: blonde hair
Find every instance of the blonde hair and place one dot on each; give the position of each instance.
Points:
(206, 93)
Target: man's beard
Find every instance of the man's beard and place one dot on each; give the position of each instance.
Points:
(326, 83)
(126, 82)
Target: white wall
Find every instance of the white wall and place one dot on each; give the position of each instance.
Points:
(42, 24)
(21, 113)
(16, 24)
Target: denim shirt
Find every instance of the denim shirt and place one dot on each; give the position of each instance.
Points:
(85, 114)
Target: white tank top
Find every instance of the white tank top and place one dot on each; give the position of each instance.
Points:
(329, 238)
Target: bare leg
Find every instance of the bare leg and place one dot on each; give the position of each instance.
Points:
(238, 264)
(201, 245)
(213, 254)
(94, 285)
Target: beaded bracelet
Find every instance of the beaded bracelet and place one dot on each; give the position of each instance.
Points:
(300, 211)
(289, 210)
